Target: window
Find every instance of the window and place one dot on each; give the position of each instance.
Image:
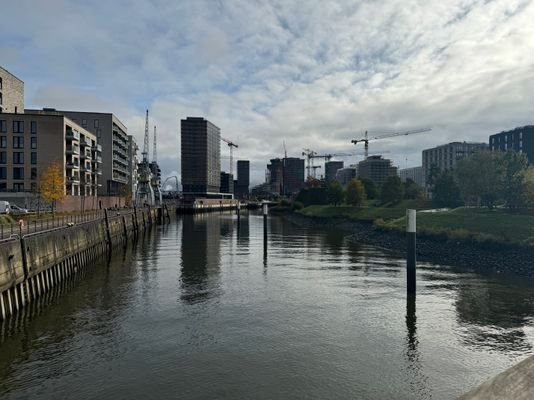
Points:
(18, 126)
(34, 143)
(33, 187)
(84, 123)
(34, 157)
(18, 173)
(96, 123)
(0, 83)
(34, 174)
(3, 172)
(18, 157)
(3, 157)
(33, 127)
(18, 187)
(3, 142)
(3, 187)
(98, 133)
(3, 126)
(18, 142)
(1, 99)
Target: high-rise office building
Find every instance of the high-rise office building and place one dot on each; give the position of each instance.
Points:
(293, 175)
(201, 157)
(519, 139)
(447, 155)
(346, 174)
(227, 182)
(243, 179)
(112, 136)
(274, 178)
(376, 168)
(11, 93)
(330, 170)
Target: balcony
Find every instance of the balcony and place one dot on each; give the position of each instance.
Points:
(73, 150)
(73, 179)
(97, 148)
(73, 135)
(70, 165)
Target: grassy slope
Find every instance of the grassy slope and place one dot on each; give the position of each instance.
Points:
(368, 213)
(463, 223)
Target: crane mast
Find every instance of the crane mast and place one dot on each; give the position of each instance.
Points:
(231, 145)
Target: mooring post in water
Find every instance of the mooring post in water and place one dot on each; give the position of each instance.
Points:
(265, 213)
(411, 229)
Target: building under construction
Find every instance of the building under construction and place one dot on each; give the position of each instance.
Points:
(376, 168)
(286, 175)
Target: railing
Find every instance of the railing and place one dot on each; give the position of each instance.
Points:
(49, 222)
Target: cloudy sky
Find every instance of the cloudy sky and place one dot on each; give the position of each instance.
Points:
(314, 74)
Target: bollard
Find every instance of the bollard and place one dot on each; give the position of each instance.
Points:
(411, 259)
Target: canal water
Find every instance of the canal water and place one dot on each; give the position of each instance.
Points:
(194, 311)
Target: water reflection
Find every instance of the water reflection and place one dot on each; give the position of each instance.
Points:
(418, 380)
(495, 314)
(201, 256)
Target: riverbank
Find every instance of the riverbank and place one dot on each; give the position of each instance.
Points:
(462, 250)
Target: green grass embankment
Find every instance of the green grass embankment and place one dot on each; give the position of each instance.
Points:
(461, 224)
(368, 212)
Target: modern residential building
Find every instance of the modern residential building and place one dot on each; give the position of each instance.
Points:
(416, 174)
(112, 135)
(11, 93)
(29, 143)
(227, 183)
(330, 170)
(243, 179)
(293, 175)
(133, 163)
(201, 157)
(447, 155)
(376, 168)
(345, 175)
(520, 139)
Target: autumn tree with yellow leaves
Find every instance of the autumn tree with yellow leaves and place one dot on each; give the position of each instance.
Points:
(53, 184)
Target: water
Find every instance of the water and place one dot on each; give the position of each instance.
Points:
(194, 311)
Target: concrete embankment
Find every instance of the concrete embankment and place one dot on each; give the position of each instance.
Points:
(484, 257)
(33, 264)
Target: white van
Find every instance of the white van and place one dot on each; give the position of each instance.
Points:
(5, 207)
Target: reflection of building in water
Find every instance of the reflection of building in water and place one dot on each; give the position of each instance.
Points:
(496, 314)
(243, 231)
(200, 256)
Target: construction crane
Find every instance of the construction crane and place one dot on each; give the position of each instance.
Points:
(311, 155)
(231, 145)
(366, 138)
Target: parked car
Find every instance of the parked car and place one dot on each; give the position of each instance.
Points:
(16, 210)
(5, 207)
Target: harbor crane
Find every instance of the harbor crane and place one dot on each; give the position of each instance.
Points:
(231, 145)
(366, 138)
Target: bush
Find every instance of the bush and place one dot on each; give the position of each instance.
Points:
(355, 194)
(297, 205)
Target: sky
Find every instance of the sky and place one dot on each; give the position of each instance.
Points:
(311, 74)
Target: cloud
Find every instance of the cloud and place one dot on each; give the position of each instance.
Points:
(311, 73)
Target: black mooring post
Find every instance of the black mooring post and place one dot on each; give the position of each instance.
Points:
(265, 212)
(411, 229)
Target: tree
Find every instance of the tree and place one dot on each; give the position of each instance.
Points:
(370, 188)
(528, 187)
(479, 178)
(335, 193)
(310, 196)
(355, 194)
(53, 184)
(412, 190)
(446, 192)
(392, 190)
(513, 168)
(433, 173)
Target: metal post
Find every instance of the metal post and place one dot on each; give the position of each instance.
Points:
(411, 228)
